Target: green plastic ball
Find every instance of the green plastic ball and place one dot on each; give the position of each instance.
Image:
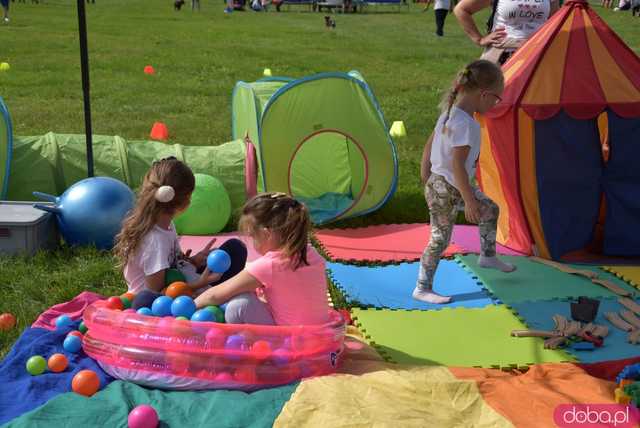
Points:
(83, 328)
(182, 318)
(217, 312)
(36, 365)
(173, 275)
(209, 211)
(126, 303)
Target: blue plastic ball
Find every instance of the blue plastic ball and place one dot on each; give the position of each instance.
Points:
(72, 343)
(161, 307)
(280, 356)
(235, 342)
(145, 311)
(203, 315)
(63, 321)
(183, 306)
(218, 261)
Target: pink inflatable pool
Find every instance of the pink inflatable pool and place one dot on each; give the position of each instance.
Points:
(175, 354)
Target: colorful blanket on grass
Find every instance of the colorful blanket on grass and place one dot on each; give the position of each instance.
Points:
(366, 392)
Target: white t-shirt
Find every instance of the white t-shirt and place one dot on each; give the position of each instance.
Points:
(521, 18)
(442, 4)
(462, 130)
(158, 250)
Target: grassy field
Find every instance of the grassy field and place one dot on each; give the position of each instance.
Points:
(198, 58)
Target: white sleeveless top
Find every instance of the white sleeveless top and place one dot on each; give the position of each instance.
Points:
(521, 18)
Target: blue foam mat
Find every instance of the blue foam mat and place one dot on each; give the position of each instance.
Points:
(538, 316)
(391, 286)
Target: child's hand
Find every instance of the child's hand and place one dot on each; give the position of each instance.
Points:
(201, 258)
(472, 210)
(207, 277)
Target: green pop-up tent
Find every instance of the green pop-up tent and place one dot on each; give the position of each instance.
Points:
(322, 139)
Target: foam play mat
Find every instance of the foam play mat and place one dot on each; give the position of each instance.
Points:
(453, 337)
(391, 286)
(630, 274)
(394, 242)
(535, 281)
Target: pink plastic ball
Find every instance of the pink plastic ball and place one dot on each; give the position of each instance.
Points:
(143, 416)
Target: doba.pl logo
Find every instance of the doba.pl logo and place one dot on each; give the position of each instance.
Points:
(596, 415)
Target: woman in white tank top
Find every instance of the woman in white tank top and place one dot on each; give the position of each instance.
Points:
(514, 21)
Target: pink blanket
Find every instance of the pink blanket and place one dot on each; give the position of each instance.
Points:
(74, 308)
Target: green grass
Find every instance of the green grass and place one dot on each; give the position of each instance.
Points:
(198, 58)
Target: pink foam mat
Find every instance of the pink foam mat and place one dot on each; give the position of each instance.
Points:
(395, 242)
(197, 243)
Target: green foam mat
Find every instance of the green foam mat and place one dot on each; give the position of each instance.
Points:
(536, 281)
(467, 337)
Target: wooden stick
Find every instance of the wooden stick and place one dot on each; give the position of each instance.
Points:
(630, 304)
(634, 337)
(612, 287)
(618, 322)
(534, 333)
(554, 342)
(564, 268)
(629, 317)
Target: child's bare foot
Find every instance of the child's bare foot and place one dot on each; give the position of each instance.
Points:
(495, 263)
(428, 296)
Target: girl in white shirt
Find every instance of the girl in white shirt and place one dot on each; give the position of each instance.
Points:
(448, 164)
(147, 245)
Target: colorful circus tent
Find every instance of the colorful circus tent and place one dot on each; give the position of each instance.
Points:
(560, 152)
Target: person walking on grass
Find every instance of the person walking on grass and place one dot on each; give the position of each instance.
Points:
(448, 164)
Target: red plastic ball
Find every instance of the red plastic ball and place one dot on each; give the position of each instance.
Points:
(115, 303)
(7, 321)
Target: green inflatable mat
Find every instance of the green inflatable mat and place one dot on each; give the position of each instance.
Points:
(536, 281)
(463, 337)
(52, 162)
(111, 406)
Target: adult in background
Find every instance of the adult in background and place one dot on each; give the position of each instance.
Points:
(5, 10)
(510, 25)
(441, 8)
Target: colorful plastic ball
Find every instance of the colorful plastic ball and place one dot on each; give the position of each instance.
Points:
(129, 296)
(130, 311)
(63, 321)
(217, 313)
(161, 307)
(144, 311)
(224, 377)
(261, 349)
(177, 289)
(203, 315)
(115, 303)
(7, 321)
(183, 306)
(83, 328)
(148, 69)
(76, 333)
(209, 210)
(173, 275)
(280, 357)
(126, 303)
(218, 261)
(235, 342)
(36, 365)
(57, 363)
(85, 382)
(215, 338)
(72, 344)
(246, 374)
(143, 416)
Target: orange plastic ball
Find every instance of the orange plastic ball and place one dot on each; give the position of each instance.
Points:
(7, 321)
(129, 296)
(57, 363)
(178, 288)
(85, 382)
(261, 349)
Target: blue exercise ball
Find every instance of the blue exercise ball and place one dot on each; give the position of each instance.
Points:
(91, 211)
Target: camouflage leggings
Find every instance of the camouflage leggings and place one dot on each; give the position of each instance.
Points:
(444, 202)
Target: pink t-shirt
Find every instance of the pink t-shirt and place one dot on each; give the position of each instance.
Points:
(295, 297)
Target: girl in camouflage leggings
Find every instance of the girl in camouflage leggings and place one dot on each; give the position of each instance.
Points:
(448, 164)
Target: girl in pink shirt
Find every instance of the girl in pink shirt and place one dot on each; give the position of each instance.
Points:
(287, 285)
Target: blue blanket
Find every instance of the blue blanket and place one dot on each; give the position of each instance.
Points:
(19, 391)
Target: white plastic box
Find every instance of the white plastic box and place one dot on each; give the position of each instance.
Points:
(25, 230)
